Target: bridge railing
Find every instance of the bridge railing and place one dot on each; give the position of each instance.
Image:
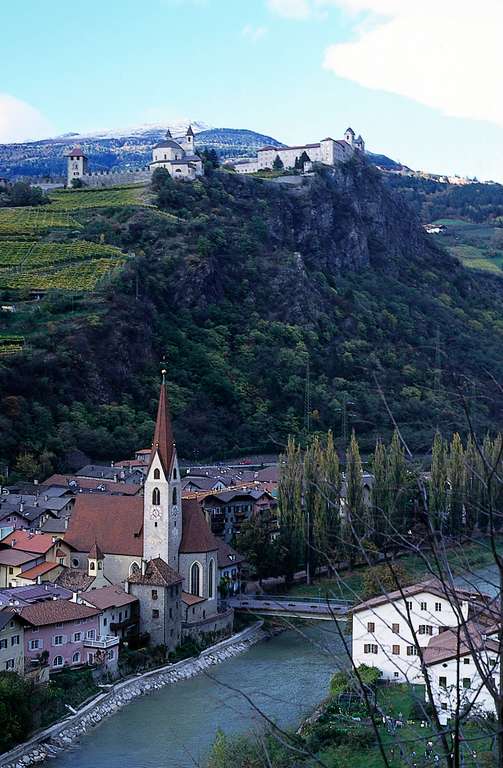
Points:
(293, 600)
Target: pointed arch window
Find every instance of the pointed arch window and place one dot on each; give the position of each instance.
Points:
(157, 474)
(174, 473)
(156, 497)
(195, 579)
(211, 576)
(174, 497)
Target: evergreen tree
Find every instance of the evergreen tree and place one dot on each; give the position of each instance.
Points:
(438, 484)
(396, 486)
(380, 496)
(457, 483)
(315, 522)
(330, 489)
(355, 509)
(278, 163)
(291, 518)
(473, 485)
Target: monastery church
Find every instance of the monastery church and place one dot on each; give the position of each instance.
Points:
(157, 547)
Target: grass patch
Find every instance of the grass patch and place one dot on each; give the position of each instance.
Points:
(74, 277)
(34, 221)
(85, 199)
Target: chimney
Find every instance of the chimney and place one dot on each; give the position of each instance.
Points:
(35, 482)
(143, 566)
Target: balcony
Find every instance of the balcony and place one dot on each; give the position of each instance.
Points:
(102, 641)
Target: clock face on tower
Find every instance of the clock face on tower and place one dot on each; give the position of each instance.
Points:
(155, 514)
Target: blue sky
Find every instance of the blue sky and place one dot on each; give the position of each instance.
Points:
(299, 70)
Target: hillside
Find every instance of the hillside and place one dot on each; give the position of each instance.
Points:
(239, 282)
(120, 150)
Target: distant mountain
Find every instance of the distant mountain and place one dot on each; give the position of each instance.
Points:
(120, 149)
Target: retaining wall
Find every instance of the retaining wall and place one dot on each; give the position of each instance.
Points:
(61, 735)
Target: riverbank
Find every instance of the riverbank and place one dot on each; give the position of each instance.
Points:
(63, 734)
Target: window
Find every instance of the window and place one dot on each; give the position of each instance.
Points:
(157, 474)
(14, 640)
(174, 497)
(9, 664)
(396, 650)
(409, 605)
(425, 629)
(34, 645)
(442, 681)
(371, 626)
(11, 570)
(174, 474)
(58, 661)
(155, 613)
(411, 650)
(370, 648)
(395, 628)
(438, 607)
(3, 643)
(110, 654)
(57, 640)
(92, 566)
(91, 634)
(466, 660)
(443, 706)
(156, 497)
(467, 682)
(154, 594)
(195, 579)
(105, 621)
(395, 674)
(77, 636)
(76, 657)
(424, 606)
(211, 576)
(171, 613)
(75, 562)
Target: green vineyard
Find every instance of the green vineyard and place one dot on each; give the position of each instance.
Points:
(71, 277)
(10, 344)
(34, 221)
(34, 254)
(85, 199)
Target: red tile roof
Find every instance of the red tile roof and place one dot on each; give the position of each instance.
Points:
(189, 599)
(15, 557)
(26, 541)
(39, 570)
(109, 597)
(431, 586)
(56, 611)
(125, 489)
(158, 573)
(164, 442)
(116, 522)
(196, 535)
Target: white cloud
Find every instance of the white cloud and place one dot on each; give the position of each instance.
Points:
(300, 9)
(20, 121)
(252, 33)
(447, 55)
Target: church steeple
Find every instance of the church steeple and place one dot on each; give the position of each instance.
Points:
(162, 519)
(164, 442)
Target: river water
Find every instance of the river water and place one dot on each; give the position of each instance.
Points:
(286, 677)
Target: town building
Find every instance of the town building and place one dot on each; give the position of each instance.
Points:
(230, 564)
(327, 151)
(391, 631)
(119, 611)
(66, 633)
(11, 641)
(158, 588)
(228, 510)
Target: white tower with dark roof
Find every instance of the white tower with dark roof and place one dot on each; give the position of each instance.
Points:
(162, 508)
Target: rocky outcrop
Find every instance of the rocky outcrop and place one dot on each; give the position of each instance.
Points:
(62, 735)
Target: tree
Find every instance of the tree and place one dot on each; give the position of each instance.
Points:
(356, 528)
(291, 535)
(396, 486)
(278, 163)
(438, 483)
(379, 495)
(257, 545)
(27, 467)
(330, 495)
(457, 483)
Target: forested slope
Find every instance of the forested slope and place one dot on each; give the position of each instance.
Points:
(240, 282)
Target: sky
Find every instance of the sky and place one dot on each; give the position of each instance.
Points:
(419, 79)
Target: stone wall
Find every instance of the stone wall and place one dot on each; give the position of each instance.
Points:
(61, 735)
(113, 178)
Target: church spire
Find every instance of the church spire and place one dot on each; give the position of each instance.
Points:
(163, 442)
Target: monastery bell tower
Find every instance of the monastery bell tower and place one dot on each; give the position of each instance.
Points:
(162, 504)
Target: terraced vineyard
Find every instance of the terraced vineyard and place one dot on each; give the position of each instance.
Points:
(10, 344)
(34, 221)
(476, 245)
(84, 199)
(34, 253)
(72, 277)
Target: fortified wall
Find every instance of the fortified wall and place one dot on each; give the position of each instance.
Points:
(114, 178)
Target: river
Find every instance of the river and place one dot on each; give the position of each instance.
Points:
(286, 677)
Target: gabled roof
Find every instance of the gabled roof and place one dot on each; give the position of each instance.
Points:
(164, 442)
(196, 534)
(190, 132)
(157, 573)
(430, 587)
(6, 616)
(76, 579)
(26, 541)
(56, 611)
(453, 643)
(95, 552)
(39, 570)
(189, 599)
(74, 483)
(16, 557)
(226, 555)
(109, 597)
(75, 152)
(115, 522)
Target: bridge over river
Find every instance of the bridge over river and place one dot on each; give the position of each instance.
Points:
(315, 608)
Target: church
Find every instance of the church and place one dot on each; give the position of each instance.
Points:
(158, 547)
